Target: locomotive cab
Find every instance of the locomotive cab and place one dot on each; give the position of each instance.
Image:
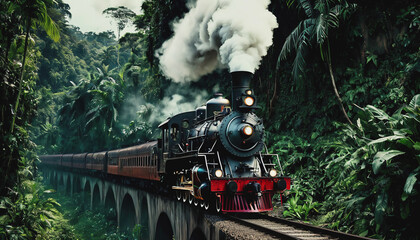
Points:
(174, 132)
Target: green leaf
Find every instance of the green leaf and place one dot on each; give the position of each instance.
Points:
(407, 142)
(417, 146)
(405, 211)
(378, 113)
(381, 157)
(381, 206)
(415, 102)
(409, 183)
(389, 138)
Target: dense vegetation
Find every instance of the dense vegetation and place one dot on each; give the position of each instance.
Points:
(338, 90)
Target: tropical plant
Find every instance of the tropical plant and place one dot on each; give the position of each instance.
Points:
(33, 13)
(378, 161)
(323, 15)
(104, 110)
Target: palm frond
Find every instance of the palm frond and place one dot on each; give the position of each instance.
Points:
(321, 28)
(307, 7)
(292, 42)
(50, 27)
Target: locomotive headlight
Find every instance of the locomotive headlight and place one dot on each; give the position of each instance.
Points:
(248, 130)
(273, 172)
(218, 173)
(249, 101)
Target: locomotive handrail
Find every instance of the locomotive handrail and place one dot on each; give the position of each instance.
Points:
(278, 161)
(205, 161)
(266, 149)
(220, 162)
(180, 148)
(202, 143)
(271, 154)
(262, 162)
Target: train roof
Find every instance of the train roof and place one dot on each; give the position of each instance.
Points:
(178, 118)
(138, 149)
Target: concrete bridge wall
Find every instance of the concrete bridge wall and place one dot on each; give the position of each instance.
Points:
(162, 217)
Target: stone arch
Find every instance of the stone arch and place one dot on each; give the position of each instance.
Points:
(96, 197)
(111, 206)
(76, 184)
(86, 194)
(144, 219)
(164, 228)
(68, 185)
(110, 199)
(55, 181)
(60, 180)
(197, 234)
(51, 178)
(127, 214)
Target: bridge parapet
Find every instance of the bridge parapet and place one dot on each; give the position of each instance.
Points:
(162, 217)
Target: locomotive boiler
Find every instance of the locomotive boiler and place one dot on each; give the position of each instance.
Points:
(212, 156)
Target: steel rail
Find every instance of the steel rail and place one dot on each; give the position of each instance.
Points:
(291, 230)
(316, 229)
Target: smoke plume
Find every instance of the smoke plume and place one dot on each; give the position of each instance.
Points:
(218, 34)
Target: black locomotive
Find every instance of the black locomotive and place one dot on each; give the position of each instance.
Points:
(210, 156)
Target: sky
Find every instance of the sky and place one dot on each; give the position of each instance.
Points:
(87, 14)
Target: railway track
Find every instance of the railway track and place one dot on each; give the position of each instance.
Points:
(290, 230)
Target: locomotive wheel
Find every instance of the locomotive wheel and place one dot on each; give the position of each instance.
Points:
(185, 196)
(218, 205)
(201, 203)
(196, 201)
(206, 205)
(178, 195)
(190, 198)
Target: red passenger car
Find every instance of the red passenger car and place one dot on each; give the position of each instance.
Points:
(137, 161)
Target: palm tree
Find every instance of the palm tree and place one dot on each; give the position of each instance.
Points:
(103, 114)
(72, 116)
(321, 18)
(33, 13)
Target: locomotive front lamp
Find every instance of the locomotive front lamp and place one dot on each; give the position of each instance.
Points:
(248, 92)
(248, 130)
(249, 101)
(273, 172)
(218, 173)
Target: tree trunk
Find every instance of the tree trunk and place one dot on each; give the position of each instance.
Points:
(28, 24)
(337, 94)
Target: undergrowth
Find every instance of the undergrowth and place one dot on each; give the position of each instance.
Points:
(361, 179)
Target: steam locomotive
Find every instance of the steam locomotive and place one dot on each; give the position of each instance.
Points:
(212, 156)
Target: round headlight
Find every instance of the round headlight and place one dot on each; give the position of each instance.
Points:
(249, 92)
(273, 172)
(249, 101)
(218, 173)
(248, 130)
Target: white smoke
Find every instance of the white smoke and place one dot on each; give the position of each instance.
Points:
(218, 34)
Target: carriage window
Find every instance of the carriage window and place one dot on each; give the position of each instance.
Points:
(166, 140)
(175, 132)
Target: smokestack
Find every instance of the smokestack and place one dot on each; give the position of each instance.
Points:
(240, 84)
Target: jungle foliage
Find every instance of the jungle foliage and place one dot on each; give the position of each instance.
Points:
(91, 92)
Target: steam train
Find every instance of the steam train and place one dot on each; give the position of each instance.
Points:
(212, 156)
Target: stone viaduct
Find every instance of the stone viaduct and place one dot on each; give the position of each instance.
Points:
(160, 217)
